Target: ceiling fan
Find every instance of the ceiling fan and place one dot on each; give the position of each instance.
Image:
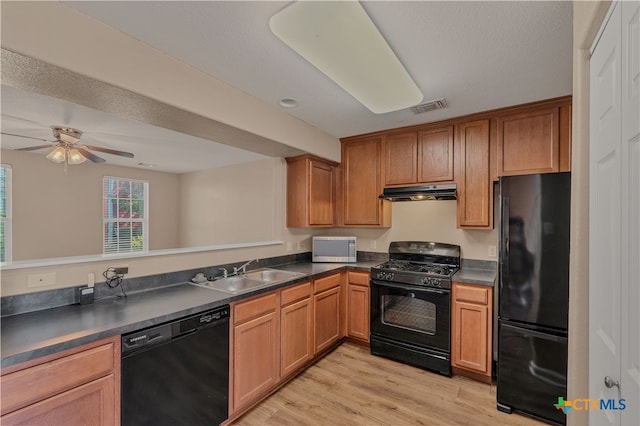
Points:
(67, 148)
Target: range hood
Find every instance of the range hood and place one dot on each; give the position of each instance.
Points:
(445, 191)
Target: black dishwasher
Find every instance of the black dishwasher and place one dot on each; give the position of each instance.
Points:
(178, 372)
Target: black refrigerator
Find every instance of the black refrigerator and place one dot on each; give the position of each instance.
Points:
(533, 294)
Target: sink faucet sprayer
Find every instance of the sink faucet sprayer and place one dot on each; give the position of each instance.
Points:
(243, 268)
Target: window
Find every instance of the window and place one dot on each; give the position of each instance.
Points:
(5, 214)
(124, 213)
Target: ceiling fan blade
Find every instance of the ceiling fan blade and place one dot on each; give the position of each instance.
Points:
(109, 151)
(91, 156)
(34, 148)
(26, 137)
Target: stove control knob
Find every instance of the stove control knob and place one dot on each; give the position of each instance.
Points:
(387, 276)
(433, 282)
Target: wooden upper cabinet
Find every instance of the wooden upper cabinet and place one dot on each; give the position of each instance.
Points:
(362, 184)
(475, 192)
(310, 192)
(416, 157)
(535, 140)
(401, 159)
(435, 155)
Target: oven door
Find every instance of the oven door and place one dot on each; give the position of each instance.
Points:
(412, 314)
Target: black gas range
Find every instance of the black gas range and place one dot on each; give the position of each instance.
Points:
(411, 304)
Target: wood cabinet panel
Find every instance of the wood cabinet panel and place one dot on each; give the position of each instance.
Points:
(36, 383)
(529, 142)
(296, 336)
(358, 305)
(326, 319)
(311, 192)
(295, 293)
(76, 386)
(358, 312)
(255, 359)
(435, 154)
(254, 308)
(401, 159)
(89, 404)
(362, 184)
(472, 325)
(475, 192)
(325, 283)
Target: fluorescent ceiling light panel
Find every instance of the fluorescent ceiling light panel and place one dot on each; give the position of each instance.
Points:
(339, 39)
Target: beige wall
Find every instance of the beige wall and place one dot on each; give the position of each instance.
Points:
(240, 199)
(424, 221)
(587, 18)
(60, 215)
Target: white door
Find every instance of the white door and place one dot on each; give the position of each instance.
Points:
(604, 220)
(614, 233)
(630, 190)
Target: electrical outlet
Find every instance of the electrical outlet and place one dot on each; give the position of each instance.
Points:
(372, 244)
(91, 279)
(121, 270)
(300, 245)
(41, 280)
(289, 246)
(491, 251)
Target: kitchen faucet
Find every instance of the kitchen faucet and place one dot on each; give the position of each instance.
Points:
(242, 268)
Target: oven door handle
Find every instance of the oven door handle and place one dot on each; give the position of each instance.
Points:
(416, 288)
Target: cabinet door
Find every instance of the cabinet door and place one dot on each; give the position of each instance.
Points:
(321, 193)
(358, 312)
(93, 403)
(435, 154)
(475, 195)
(401, 159)
(296, 336)
(311, 189)
(326, 318)
(529, 142)
(470, 333)
(362, 183)
(472, 328)
(255, 359)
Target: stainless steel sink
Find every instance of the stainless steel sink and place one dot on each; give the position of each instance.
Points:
(251, 280)
(272, 275)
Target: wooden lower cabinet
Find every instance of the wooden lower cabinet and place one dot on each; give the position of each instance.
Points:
(255, 349)
(326, 319)
(296, 328)
(276, 335)
(358, 305)
(79, 386)
(472, 327)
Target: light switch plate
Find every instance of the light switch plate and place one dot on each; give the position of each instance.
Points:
(491, 251)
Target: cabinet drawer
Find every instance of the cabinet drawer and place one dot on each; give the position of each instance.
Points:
(293, 294)
(472, 294)
(245, 311)
(358, 278)
(322, 284)
(33, 384)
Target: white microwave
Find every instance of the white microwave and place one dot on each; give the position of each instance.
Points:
(334, 249)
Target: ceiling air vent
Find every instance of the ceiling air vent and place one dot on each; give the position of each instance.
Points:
(429, 106)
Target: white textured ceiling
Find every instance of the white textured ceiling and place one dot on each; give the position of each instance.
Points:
(478, 55)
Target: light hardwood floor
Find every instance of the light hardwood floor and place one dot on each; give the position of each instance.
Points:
(352, 387)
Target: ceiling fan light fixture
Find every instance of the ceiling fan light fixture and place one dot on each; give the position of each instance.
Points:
(75, 157)
(340, 40)
(58, 155)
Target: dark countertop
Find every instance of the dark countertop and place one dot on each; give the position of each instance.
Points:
(475, 276)
(31, 335)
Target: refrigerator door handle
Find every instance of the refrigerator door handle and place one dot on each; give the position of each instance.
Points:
(504, 252)
(545, 336)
